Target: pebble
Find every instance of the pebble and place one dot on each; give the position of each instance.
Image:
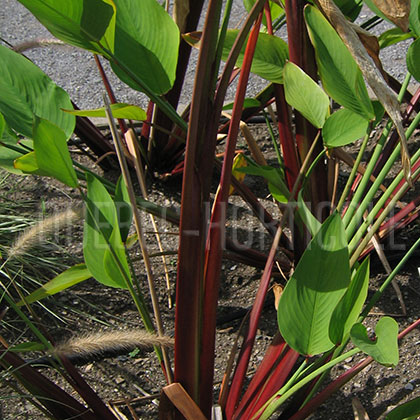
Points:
(409, 387)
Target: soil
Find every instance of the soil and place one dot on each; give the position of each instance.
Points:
(131, 383)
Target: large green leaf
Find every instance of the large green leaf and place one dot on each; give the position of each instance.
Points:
(317, 285)
(414, 17)
(340, 75)
(63, 281)
(51, 152)
(270, 56)
(350, 8)
(413, 59)
(348, 309)
(120, 110)
(384, 349)
(305, 95)
(146, 42)
(343, 127)
(25, 92)
(87, 24)
(407, 411)
(102, 243)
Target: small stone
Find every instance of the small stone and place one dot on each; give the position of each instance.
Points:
(119, 380)
(233, 268)
(409, 387)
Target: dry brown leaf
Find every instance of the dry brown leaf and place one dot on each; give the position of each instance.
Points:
(358, 410)
(372, 75)
(277, 290)
(180, 13)
(397, 11)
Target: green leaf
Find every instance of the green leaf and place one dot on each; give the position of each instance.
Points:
(51, 152)
(340, 75)
(25, 91)
(28, 165)
(2, 125)
(379, 112)
(120, 110)
(348, 309)
(350, 8)
(270, 56)
(343, 127)
(303, 94)
(63, 281)
(309, 220)
(248, 103)
(384, 349)
(147, 42)
(407, 411)
(317, 285)
(102, 237)
(414, 18)
(413, 59)
(275, 10)
(26, 347)
(392, 36)
(274, 177)
(87, 24)
(123, 206)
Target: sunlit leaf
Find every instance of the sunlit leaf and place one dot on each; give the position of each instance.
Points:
(26, 91)
(146, 42)
(348, 309)
(384, 349)
(63, 281)
(87, 24)
(51, 152)
(317, 285)
(303, 94)
(120, 110)
(391, 37)
(248, 103)
(343, 127)
(275, 10)
(340, 75)
(28, 164)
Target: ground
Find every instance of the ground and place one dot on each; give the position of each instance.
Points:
(135, 380)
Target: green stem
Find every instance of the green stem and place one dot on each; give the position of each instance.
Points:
(354, 170)
(277, 399)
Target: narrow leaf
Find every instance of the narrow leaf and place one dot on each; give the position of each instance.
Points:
(63, 281)
(391, 37)
(340, 75)
(384, 349)
(318, 283)
(100, 224)
(348, 309)
(123, 206)
(119, 110)
(343, 127)
(309, 220)
(26, 347)
(51, 152)
(305, 95)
